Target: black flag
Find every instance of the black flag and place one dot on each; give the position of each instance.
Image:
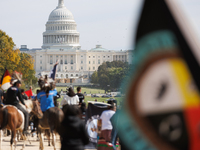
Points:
(93, 113)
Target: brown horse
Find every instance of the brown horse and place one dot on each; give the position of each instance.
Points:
(51, 120)
(13, 119)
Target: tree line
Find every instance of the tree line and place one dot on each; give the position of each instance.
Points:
(110, 75)
(12, 59)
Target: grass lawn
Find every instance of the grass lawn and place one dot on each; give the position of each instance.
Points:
(87, 98)
(83, 89)
(99, 99)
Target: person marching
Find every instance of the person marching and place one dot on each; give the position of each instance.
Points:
(13, 97)
(106, 127)
(80, 95)
(74, 135)
(71, 98)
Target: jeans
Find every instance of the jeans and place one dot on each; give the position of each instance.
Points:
(32, 127)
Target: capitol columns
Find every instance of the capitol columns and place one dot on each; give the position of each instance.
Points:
(76, 58)
(64, 38)
(54, 39)
(47, 39)
(74, 38)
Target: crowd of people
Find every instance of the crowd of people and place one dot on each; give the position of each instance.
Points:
(74, 135)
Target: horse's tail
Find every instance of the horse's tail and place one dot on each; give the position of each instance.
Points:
(5, 118)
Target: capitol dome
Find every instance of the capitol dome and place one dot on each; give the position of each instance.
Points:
(61, 30)
(61, 13)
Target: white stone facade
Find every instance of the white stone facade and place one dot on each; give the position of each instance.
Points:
(61, 42)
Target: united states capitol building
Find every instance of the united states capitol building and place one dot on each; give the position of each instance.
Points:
(61, 43)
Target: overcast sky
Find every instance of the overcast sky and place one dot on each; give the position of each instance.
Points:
(110, 23)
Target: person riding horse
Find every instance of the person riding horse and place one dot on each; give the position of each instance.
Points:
(45, 96)
(46, 99)
(13, 98)
(52, 116)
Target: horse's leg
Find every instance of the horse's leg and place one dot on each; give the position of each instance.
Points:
(17, 135)
(24, 139)
(37, 137)
(28, 138)
(13, 138)
(47, 132)
(41, 140)
(53, 140)
(15, 142)
(5, 132)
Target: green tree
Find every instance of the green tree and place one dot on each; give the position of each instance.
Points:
(9, 57)
(104, 82)
(13, 60)
(116, 75)
(94, 77)
(110, 75)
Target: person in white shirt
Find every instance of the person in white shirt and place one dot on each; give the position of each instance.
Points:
(106, 126)
(71, 98)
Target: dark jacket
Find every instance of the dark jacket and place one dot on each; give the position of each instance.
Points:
(24, 96)
(12, 94)
(74, 135)
(55, 99)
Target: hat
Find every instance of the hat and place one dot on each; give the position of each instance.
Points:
(16, 81)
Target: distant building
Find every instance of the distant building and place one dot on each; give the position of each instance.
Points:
(61, 42)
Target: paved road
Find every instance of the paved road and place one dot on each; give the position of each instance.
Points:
(33, 146)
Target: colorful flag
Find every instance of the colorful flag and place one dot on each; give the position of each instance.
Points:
(53, 71)
(162, 105)
(5, 80)
(29, 93)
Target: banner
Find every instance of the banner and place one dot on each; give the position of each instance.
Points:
(5, 80)
(93, 113)
(162, 106)
(29, 93)
(53, 72)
